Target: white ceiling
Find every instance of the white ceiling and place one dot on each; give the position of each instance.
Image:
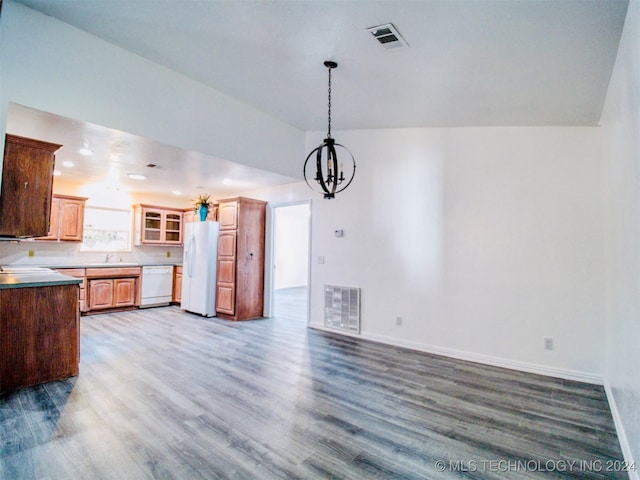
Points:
(114, 154)
(468, 63)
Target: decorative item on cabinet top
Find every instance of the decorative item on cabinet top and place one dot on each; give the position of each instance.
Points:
(155, 225)
(202, 206)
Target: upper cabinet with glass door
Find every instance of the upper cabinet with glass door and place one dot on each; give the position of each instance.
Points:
(158, 225)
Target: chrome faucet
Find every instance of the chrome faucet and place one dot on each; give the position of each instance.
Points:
(109, 257)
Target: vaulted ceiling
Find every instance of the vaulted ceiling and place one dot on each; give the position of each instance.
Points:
(467, 63)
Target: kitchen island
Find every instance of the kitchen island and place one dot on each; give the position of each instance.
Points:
(39, 327)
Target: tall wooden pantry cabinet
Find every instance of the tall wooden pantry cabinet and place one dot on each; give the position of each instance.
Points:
(240, 282)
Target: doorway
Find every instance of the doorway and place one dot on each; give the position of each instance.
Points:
(289, 266)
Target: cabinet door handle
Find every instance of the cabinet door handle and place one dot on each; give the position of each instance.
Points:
(26, 184)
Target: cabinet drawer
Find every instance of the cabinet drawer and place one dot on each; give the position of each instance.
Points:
(114, 272)
(72, 272)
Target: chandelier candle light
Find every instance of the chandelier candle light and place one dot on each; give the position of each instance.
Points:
(328, 174)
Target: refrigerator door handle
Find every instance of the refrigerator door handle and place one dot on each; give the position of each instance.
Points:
(190, 254)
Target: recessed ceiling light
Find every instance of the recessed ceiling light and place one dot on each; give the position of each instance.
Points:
(176, 192)
(227, 181)
(85, 151)
(57, 173)
(67, 163)
(136, 176)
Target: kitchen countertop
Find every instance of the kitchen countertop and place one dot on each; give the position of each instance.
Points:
(25, 277)
(103, 265)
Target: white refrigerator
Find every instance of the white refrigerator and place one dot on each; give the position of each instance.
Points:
(199, 268)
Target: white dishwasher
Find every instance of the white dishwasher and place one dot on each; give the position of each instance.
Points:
(157, 285)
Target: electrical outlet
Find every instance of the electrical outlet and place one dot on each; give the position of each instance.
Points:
(32, 253)
(321, 260)
(168, 254)
(398, 321)
(548, 343)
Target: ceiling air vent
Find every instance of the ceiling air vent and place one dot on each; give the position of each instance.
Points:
(388, 36)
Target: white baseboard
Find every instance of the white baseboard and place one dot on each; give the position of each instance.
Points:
(622, 436)
(475, 357)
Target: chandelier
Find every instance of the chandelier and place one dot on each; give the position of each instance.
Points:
(329, 174)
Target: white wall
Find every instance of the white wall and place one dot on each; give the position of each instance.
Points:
(484, 241)
(621, 124)
(51, 66)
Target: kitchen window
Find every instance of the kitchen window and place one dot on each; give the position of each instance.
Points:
(106, 230)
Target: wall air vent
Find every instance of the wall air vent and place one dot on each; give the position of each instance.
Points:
(342, 308)
(388, 36)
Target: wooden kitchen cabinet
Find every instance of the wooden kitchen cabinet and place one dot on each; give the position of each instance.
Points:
(177, 284)
(158, 225)
(110, 288)
(124, 291)
(67, 218)
(112, 293)
(240, 275)
(27, 182)
(100, 293)
(39, 335)
(78, 273)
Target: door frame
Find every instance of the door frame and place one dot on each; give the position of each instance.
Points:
(269, 264)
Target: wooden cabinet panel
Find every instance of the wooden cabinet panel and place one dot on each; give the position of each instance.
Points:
(39, 335)
(240, 282)
(67, 218)
(226, 271)
(54, 223)
(27, 180)
(100, 294)
(71, 219)
(177, 284)
(225, 299)
(124, 292)
(78, 273)
(228, 215)
(227, 244)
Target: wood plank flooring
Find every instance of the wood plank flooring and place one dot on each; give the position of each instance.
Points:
(167, 394)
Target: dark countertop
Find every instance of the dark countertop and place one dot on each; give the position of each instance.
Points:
(31, 278)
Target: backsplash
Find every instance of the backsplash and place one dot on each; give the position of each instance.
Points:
(68, 253)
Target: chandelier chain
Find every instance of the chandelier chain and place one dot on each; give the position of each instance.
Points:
(329, 110)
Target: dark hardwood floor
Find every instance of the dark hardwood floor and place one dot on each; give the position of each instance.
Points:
(167, 394)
